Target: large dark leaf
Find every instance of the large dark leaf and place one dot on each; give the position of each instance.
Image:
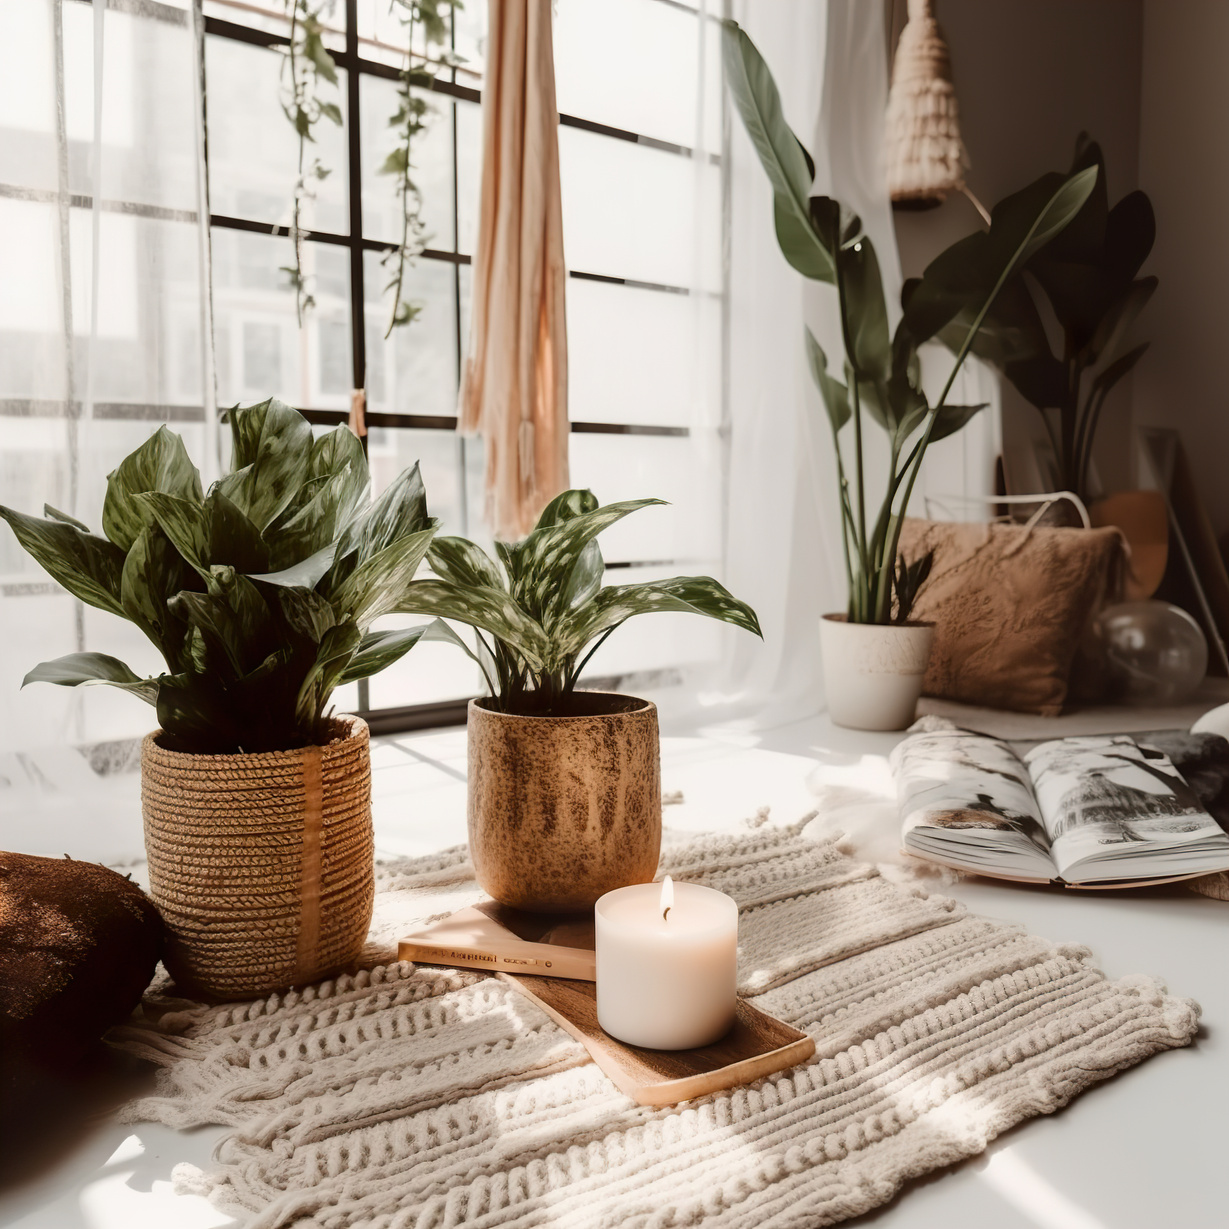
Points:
(969, 273)
(1119, 316)
(87, 566)
(153, 573)
(379, 582)
(1083, 240)
(270, 460)
(160, 464)
(950, 418)
(866, 311)
(234, 620)
(400, 510)
(54, 514)
(1129, 235)
(303, 575)
(378, 650)
(690, 594)
(834, 394)
(216, 532)
(781, 153)
(83, 669)
(337, 650)
(319, 521)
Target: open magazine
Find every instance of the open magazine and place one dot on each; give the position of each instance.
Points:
(1087, 812)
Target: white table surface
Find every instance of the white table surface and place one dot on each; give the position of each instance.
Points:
(1146, 1150)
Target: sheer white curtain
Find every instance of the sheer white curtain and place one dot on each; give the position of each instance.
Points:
(829, 58)
(104, 329)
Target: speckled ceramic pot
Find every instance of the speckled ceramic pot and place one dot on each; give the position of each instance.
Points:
(563, 809)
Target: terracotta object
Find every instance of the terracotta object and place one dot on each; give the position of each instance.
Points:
(873, 671)
(563, 809)
(1144, 521)
(261, 865)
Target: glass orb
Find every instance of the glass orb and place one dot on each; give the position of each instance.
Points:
(1154, 653)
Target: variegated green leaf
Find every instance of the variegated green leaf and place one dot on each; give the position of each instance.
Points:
(492, 610)
(400, 510)
(153, 573)
(458, 560)
(160, 464)
(87, 566)
(54, 514)
(271, 455)
(545, 558)
(377, 585)
(84, 669)
(690, 594)
(379, 650)
(303, 575)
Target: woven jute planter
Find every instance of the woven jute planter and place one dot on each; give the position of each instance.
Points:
(261, 865)
(563, 809)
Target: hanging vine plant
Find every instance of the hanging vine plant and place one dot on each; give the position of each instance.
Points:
(308, 68)
(410, 121)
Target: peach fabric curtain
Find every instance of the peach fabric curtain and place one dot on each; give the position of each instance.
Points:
(514, 386)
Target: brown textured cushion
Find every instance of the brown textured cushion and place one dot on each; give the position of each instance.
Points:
(78, 945)
(1010, 605)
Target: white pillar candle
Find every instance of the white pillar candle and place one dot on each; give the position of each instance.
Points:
(667, 964)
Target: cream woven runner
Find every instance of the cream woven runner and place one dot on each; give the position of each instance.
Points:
(407, 1097)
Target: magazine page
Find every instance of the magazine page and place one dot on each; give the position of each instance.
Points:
(1116, 809)
(966, 798)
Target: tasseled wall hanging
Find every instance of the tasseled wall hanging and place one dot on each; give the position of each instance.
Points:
(926, 158)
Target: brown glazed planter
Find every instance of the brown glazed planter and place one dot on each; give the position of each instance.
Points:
(563, 809)
(261, 864)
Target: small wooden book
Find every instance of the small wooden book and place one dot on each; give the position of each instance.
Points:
(559, 950)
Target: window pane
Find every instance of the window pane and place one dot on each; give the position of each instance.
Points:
(430, 160)
(260, 349)
(682, 470)
(640, 213)
(636, 64)
(469, 173)
(414, 369)
(270, 16)
(253, 150)
(674, 339)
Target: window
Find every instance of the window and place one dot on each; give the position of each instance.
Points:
(642, 220)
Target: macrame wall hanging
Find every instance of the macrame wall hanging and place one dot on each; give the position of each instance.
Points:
(926, 157)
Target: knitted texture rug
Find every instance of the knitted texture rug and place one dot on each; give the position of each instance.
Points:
(403, 1096)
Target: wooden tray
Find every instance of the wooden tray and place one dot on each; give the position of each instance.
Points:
(756, 1046)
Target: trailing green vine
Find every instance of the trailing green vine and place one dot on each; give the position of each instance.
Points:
(410, 120)
(306, 65)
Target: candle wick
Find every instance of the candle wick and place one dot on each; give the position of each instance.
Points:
(665, 913)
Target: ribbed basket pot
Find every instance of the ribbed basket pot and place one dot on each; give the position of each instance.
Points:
(563, 809)
(261, 865)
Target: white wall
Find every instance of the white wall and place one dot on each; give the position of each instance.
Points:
(1184, 167)
(1029, 75)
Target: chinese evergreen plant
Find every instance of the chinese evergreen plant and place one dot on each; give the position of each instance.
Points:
(543, 605)
(825, 242)
(259, 595)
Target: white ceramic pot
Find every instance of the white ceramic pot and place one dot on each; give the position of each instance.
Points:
(873, 672)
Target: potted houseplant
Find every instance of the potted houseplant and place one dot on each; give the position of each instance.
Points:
(1087, 280)
(564, 785)
(874, 655)
(259, 596)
